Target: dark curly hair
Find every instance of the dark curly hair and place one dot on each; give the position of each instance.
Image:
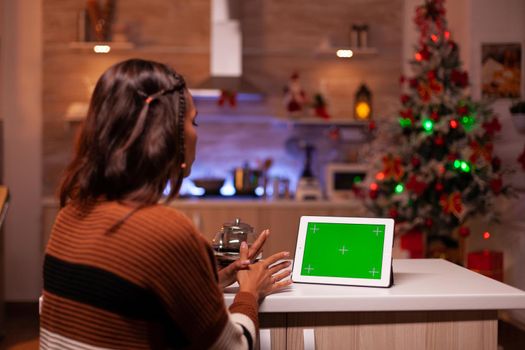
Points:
(132, 141)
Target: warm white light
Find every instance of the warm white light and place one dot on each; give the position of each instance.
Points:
(101, 48)
(344, 53)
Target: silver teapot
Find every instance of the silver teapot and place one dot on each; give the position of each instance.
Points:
(227, 242)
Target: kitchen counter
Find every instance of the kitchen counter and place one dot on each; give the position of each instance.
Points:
(419, 284)
(433, 304)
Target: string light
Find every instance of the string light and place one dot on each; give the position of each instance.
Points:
(428, 125)
(434, 37)
(418, 56)
(380, 176)
(453, 124)
(486, 235)
(405, 122)
(461, 165)
(399, 188)
(373, 186)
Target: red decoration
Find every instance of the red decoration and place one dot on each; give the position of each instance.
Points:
(229, 97)
(439, 187)
(429, 222)
(452, 204)
(479, 150)
(439, 140)
(405, 99)
(464, 231)
(492, 127)
(414, 242)
(521, 159)
(392, 167)
(295, 97)
(486, 262)
(418, 187)
(393, 213)
(371, 125)
(462, 110)
(459, 78)
(453, 123)
(415, 161)
(434, 116)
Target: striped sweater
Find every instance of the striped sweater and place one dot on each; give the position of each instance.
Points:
(149, 284)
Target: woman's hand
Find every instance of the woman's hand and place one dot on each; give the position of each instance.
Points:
(227, 275)
(265, 276)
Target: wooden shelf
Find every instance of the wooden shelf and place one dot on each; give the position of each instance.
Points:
(83, 46)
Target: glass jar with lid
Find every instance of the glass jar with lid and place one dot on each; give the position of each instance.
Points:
(227, 242)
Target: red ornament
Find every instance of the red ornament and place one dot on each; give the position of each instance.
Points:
(464, 231)
(439, 140)
(462, 110)
(415, 161)
(452, 204)
(492, 127)
(521, 159)
(373, 194)
(459, 78)
(393, 213)
(439, 187)
(413, 83)
(434, 116)
(392, 167)
(479, 150)
(431, 75)
(418, 187)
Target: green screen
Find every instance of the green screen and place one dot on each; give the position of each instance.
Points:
(343, 250)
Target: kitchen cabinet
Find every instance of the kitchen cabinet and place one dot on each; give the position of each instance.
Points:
(208, 215)
(280, 216)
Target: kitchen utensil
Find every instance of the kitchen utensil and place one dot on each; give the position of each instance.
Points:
(211, 185)
(246, 180)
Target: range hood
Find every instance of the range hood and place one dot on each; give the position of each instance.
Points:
(226, 53)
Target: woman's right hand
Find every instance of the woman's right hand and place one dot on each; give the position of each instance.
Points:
(261, 279)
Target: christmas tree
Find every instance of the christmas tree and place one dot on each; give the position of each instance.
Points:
(442, 170)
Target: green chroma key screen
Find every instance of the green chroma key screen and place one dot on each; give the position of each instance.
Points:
(343, 250)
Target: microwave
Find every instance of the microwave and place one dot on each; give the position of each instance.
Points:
(341, 177)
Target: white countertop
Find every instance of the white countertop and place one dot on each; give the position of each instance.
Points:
(419, 284)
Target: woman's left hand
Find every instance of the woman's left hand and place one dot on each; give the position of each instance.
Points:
(227, 275)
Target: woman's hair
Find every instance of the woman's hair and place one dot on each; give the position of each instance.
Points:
(132, 141)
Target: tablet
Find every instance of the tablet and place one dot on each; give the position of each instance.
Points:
(344, 250)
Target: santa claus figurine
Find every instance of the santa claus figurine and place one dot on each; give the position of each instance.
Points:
(295, 97)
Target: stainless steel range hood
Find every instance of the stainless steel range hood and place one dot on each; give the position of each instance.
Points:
(226, 53)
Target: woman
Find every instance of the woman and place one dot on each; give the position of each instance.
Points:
(122, 271)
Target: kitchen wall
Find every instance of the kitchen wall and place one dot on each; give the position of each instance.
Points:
(278, 38)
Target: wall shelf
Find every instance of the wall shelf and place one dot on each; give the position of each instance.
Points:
(87, 46)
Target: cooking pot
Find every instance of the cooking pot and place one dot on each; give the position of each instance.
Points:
(246, 180)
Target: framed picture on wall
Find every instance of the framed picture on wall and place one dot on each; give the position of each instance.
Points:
(501, 70)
